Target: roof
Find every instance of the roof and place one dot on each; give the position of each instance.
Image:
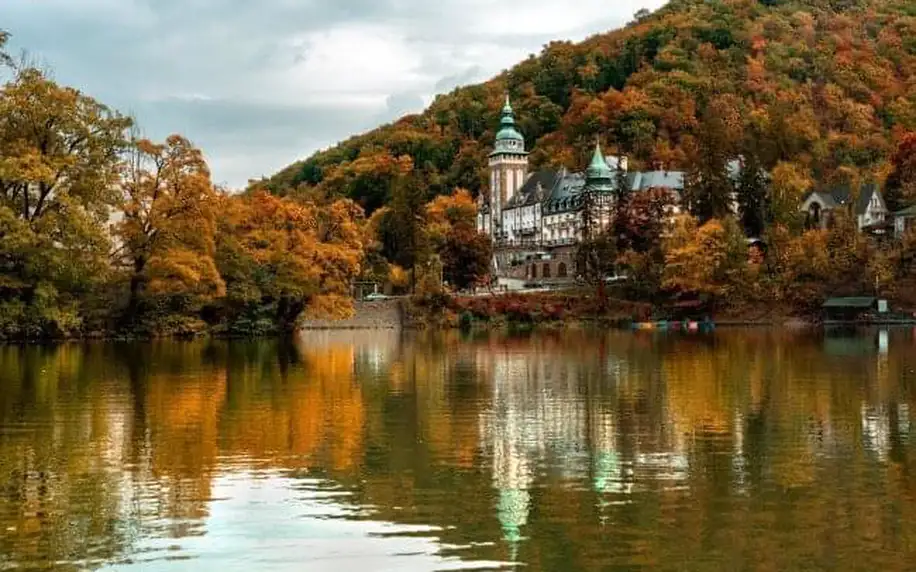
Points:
(641, 181)
(566, 194)
(508, 139)
(536, 189)
(840, 195)
(850, 302)
(907, 212)
(598, 169)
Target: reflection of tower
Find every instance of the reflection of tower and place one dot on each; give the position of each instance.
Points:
(508, 431)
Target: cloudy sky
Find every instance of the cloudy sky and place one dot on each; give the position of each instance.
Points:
(259, 84)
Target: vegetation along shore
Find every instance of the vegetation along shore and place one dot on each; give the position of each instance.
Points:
(104, 233)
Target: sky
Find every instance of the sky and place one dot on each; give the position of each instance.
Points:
(259, 84)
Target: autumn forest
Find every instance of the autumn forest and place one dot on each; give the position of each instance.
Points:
(103, 231)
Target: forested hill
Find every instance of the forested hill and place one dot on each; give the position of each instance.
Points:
(826, 86)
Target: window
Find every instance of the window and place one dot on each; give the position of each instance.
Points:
(561, 270)
(546, 270)
(534, 271)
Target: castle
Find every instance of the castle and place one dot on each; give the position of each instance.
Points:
(539, 216)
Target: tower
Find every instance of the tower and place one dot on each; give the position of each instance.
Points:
(599, 178)
(597, 195)
(508, 166)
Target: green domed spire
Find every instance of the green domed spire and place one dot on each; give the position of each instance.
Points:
(599, 175)
(508, 139)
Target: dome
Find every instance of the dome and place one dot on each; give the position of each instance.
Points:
(508, 138)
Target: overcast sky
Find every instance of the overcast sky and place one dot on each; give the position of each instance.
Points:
(258, 84)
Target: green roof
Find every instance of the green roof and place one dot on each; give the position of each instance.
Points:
(598, 175)
(851, 302)
(508, 139)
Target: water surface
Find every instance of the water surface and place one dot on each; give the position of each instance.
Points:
(741, 450)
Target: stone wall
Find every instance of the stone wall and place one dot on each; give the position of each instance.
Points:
(382, 314)
(561, 267)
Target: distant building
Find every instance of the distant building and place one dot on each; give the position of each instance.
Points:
(870, 209)
(539, 216)
(536, 219)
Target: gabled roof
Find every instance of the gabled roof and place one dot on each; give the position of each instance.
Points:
(840, 195)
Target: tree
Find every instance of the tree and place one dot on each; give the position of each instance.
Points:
(708, 186)
(900, 188)
(788, 184)
(467, 258)
(59, 160)
(401, 229)
(168, 225)
(644, 220)
(291, 256)
(706, 260)
(752, 196)
(451, 229)
(4, 57)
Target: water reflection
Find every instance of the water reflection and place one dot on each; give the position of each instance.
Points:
(742, 450)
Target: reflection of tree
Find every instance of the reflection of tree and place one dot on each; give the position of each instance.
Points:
(586, 450)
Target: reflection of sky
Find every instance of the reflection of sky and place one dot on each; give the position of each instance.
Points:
(269, 522)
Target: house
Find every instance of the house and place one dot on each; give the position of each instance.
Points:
(870, 209)
(904, 220)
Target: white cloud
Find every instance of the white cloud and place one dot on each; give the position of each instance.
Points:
(260, 84)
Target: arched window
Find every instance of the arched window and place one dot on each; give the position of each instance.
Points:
(561, 270)
(546, 270)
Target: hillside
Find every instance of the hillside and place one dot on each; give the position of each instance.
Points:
(828, 85)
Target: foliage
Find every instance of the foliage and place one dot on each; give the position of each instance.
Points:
(451, 230)
(290, 256)
(801, 81)
(901, 183)
(168, 225)
(59, 160)
(707, 260)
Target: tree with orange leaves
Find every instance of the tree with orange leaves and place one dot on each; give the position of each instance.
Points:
(291, 257)
(168, 225)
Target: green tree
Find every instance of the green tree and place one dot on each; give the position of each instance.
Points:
(752, 194)
(708, 186)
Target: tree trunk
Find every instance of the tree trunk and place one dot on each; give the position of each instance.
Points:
(288, 311)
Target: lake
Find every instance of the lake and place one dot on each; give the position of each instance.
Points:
(369, 450)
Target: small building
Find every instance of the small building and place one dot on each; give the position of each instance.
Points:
(904, 220)
(851, 308)
(869, 209)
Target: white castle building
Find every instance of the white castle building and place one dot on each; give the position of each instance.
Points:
(542, 211)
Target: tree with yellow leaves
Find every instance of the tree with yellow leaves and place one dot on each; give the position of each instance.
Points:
(708, 260)
(168, 225)
(60, 156)
(289, 256)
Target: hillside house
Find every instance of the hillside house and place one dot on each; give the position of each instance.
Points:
(904, 220)
(870, 209)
